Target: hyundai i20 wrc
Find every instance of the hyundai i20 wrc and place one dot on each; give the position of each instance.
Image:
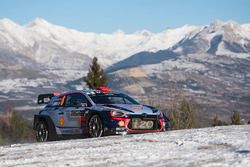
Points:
(94, 113)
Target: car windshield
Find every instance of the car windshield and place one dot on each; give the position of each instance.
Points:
(112, 99)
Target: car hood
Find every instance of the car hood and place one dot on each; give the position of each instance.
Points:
(133, 108)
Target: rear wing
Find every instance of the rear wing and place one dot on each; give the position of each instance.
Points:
(45, 98)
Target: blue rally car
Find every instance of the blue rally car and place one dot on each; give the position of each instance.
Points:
(94, 113)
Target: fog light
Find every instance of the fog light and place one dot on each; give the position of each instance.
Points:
(121, 123)
(61, 121)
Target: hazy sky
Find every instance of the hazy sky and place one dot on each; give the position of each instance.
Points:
(129, 15)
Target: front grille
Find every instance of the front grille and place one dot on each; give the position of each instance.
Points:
(153, 118)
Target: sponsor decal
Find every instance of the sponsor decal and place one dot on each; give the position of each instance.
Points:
(71, 131)
(75, 113)
(136, 107)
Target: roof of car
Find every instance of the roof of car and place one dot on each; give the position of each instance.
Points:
(90, 92)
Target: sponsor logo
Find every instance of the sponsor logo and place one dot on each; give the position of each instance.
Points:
(136, 107)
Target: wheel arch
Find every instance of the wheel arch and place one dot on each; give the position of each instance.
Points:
(102, 123)
(96, 113)
(49, 122)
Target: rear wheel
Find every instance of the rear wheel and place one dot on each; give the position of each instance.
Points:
(42, 132)
(95, 126)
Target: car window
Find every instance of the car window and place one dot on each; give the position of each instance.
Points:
(54, 102)
(116, 99)
(128, 101)
(76, 100)
(112, 99)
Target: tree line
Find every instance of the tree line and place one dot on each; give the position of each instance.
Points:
(14, 128)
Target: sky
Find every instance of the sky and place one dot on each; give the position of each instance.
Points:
(106, 16)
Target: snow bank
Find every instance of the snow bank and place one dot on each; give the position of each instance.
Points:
(219, 146)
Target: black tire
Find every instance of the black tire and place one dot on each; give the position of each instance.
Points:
(95, 126)
(42, 132)
(45, 131)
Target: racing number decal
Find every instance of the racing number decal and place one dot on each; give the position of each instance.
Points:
(139, 124)
(146, 124)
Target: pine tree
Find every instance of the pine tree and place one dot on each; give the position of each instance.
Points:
(183, 115)
(187, 115)
(95, 77)
(235, 118)
(216, 121)
(15, 128)
(174, 117)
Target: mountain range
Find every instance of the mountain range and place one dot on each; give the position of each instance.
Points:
(209, 64)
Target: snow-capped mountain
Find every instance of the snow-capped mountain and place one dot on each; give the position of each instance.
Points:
(210, 65)
(219, 38)
(209, 62)
(41, 57)
(57, 47)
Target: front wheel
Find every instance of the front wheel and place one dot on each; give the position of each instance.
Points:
(42, 132)
(95, 126)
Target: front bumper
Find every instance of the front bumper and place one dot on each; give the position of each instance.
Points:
(159, 125)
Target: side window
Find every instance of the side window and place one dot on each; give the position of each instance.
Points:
(76, 100)
(116, 100)
(127, 101)
(54, 102)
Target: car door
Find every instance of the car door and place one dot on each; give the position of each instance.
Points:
(54, 110)
(73, 108)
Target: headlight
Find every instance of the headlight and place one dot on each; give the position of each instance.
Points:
(116, 113)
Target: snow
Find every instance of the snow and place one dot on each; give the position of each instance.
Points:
(28, 108)
(48, 43)
(20, 84)
(223, 51)
(180, 64)
(68, 74)
(218, 146)
(195, 91)
(109, 48)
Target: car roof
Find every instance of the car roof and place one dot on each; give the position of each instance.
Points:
(89, 92)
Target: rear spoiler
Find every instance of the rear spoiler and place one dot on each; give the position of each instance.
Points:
(45, 98)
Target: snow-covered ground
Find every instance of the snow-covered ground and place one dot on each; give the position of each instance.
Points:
(219, 146)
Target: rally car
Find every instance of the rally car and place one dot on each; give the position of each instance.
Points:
(94, 113)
